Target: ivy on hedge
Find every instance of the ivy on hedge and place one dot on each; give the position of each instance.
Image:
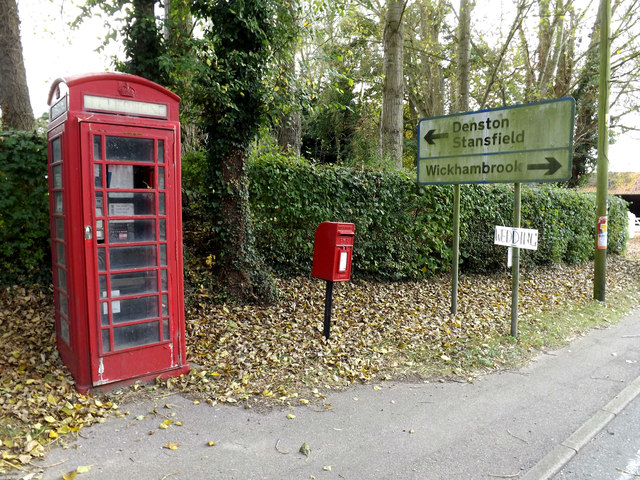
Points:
(404, 231)
(24, 208)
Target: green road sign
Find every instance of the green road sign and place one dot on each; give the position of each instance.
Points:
(520, 143)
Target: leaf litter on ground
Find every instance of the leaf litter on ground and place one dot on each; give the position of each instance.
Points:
(276, 355)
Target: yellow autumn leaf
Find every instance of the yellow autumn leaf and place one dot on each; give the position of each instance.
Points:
(69, 476)
(171, 446)
(211, 443)
(164, 425)
(83, 469)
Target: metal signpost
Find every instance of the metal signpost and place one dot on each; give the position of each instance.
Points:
(520, 143)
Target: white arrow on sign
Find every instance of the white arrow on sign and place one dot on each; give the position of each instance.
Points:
(516, 237)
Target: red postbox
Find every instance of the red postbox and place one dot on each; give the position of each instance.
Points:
(332, 251)
(116, 231)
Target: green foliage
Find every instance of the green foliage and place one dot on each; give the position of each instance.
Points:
(618, 227)
(24, 208)
(482, 207)
(403, 231)
(564, 218)
(234, 57)
(400, 232)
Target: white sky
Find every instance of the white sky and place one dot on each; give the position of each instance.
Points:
(51, 50)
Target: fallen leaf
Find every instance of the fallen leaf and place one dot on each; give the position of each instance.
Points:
(305, 449)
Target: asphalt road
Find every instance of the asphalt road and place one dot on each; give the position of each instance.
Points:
(503, 425)
(613, 454)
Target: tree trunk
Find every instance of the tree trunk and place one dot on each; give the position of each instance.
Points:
(290, 133)
(17, 113)
(431, 23)
(464, 49)
(391, 128)
(289, 130)
(237, 257)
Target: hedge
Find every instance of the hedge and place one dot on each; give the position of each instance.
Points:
(24, 208)
(403, 230)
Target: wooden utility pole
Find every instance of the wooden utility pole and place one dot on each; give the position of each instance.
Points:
(600, 263)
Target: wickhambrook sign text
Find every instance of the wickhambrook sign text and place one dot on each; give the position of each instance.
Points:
(522, 143)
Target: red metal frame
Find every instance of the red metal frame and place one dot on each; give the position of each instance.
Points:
(143, 111)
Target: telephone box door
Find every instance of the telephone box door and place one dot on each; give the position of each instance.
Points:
(130, 249)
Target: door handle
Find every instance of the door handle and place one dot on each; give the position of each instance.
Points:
(88, 232)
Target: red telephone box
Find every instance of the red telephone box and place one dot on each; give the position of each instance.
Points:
(116, 231)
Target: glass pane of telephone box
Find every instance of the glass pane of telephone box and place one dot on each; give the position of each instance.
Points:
(64, 305)
(102, 260)
(61, 260)
(130, 176)
(165, 329)
(56, 151)
(133, 309)
(135, 335)
(131, 204)
(57, 202)
(57, 176)
(135, 283)
(160, 151)
(161, 178)
(97, 147)
(104, 313)
(59, 228)
(129, 149)
(125, 258)
(106, 345)
(161, 204)
(62, 279)
(127, 231)
(97, 176)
